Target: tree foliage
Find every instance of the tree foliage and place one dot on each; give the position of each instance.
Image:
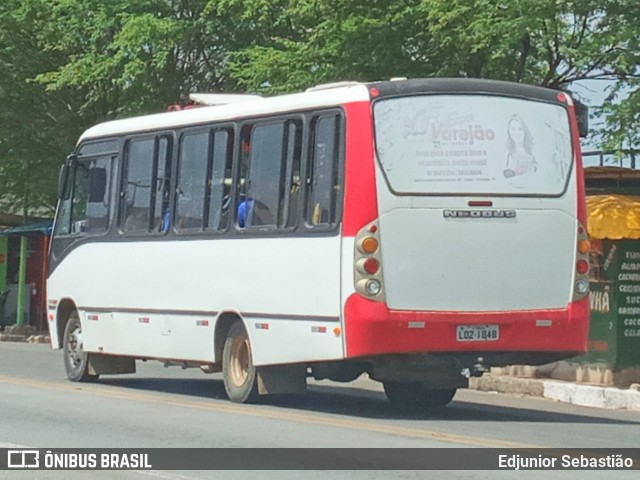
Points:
(554, 43)
(32, 124)
(66, 64)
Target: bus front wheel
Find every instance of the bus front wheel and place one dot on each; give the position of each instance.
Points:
(416, 395)
(240, 375)
(76, 360)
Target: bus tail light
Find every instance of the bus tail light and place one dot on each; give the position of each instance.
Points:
(367, 260)
(371, 287)
(368, 266)
(582, 267)
(584, 246)
(582, 287)
(368, 245)
(581, 281)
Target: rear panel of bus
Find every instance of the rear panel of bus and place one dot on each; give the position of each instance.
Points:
(479, 223)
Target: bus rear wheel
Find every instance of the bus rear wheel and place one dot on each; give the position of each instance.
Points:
(76, 360)
(239, 373)
(416, 395)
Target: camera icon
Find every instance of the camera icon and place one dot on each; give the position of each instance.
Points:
(23, 459)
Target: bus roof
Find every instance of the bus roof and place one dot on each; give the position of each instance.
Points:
(257, 107)
(456, 86)
(327, 95)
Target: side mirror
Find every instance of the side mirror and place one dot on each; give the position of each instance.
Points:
(65, 171)
(62, 181)
(582, 114)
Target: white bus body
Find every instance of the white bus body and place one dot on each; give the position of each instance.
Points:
(370, 260)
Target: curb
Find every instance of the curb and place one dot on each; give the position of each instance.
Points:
(10, 337)
(13, 337)
(593, 396)
(23, 333)
(39, 339)
(505, 384)
(575, 394)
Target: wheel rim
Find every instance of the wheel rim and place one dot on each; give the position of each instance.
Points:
(75, 354)
(240, 361)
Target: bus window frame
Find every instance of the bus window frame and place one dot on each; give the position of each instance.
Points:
(231, 132)
(300, 226)
(210, 129)
(288, 174)
(250, 125)
(170, 135)
(180, 136)
(313, 120)
(71, 166)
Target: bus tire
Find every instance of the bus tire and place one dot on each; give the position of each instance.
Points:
(76, 360)
(416, 395)
(239, 372)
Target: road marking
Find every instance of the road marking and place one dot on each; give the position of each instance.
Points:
(263, 412)
(166, 475)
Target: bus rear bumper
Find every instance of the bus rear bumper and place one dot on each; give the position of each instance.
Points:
(372, 329)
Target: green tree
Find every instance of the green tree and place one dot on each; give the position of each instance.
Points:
(297, 44)
(36, 127)
(554, 43)
(67, 64)
(133, 56)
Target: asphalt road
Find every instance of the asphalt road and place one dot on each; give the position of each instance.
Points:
(159, 407)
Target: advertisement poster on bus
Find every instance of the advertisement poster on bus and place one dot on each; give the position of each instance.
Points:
(473, 144)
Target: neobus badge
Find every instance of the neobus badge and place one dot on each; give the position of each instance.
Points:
(479, 213)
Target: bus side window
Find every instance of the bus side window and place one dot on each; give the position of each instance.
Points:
(290, 196)
(262, 181)
(137, 185)
(219, 180)
(84, 207)
(192, 174)
(162, 192)
(98, 195)
(322, 177)
(145, 186)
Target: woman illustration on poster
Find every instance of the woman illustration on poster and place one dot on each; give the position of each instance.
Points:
(520, 159)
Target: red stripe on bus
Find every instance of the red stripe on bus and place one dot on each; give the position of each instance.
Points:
(360, 198)
(372, 329)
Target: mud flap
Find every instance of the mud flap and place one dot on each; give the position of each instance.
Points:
(107, 364)
(282, 379)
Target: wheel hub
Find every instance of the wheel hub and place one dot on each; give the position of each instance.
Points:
(74, 348)
(240, 361)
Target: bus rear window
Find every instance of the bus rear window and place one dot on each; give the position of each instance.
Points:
(473, 144)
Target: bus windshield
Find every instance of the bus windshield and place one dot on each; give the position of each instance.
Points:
(473, 144)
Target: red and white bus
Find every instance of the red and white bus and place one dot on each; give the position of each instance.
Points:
(418, 231)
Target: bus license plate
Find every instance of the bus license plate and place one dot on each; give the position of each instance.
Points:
(478, 333)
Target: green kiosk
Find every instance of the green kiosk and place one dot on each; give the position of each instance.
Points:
(613, 205)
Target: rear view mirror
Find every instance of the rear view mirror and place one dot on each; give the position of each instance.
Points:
(582, 114)
(62, 181)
